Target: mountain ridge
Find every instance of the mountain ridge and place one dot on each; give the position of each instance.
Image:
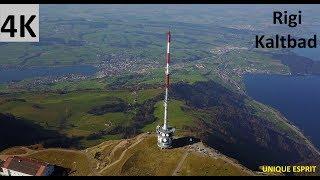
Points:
(134, 157)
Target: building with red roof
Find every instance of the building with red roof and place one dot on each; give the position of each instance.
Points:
(22, 166)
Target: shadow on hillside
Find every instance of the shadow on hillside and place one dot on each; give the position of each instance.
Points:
(184, 141)
(13, 132)
(61, 171)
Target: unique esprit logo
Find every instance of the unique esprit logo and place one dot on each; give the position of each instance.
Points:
(289, 169)
(19, 23)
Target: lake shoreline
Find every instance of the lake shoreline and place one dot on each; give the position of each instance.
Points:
(293, 96)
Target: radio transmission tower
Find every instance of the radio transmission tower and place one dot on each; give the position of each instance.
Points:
(165, 132)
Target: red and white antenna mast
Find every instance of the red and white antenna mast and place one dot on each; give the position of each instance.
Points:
(165, 132)
(167, 81)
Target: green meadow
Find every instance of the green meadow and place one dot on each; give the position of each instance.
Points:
(176, 116)
(68, 113)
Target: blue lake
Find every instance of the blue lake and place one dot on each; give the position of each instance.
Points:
(9, 75)
(313, 54)
(296, 97)
(307, 52)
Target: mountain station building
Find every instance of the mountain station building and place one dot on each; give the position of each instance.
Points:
(22, 166)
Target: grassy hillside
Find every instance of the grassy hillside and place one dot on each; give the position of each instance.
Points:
(177, 117)
(70, 113)
(241, 128)
(76, 161)
(130, 50)
(197, 165)
(138, 156)
(230, 122)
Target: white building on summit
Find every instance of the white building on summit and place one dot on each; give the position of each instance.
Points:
(165, 132)
(22, 166)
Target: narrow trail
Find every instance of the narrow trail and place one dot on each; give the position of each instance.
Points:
(3, 157)
(53, 149)
(94, 163)
(27, 152)
(31, 152)
(118, 146)
(139, 139)
(176, 171)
